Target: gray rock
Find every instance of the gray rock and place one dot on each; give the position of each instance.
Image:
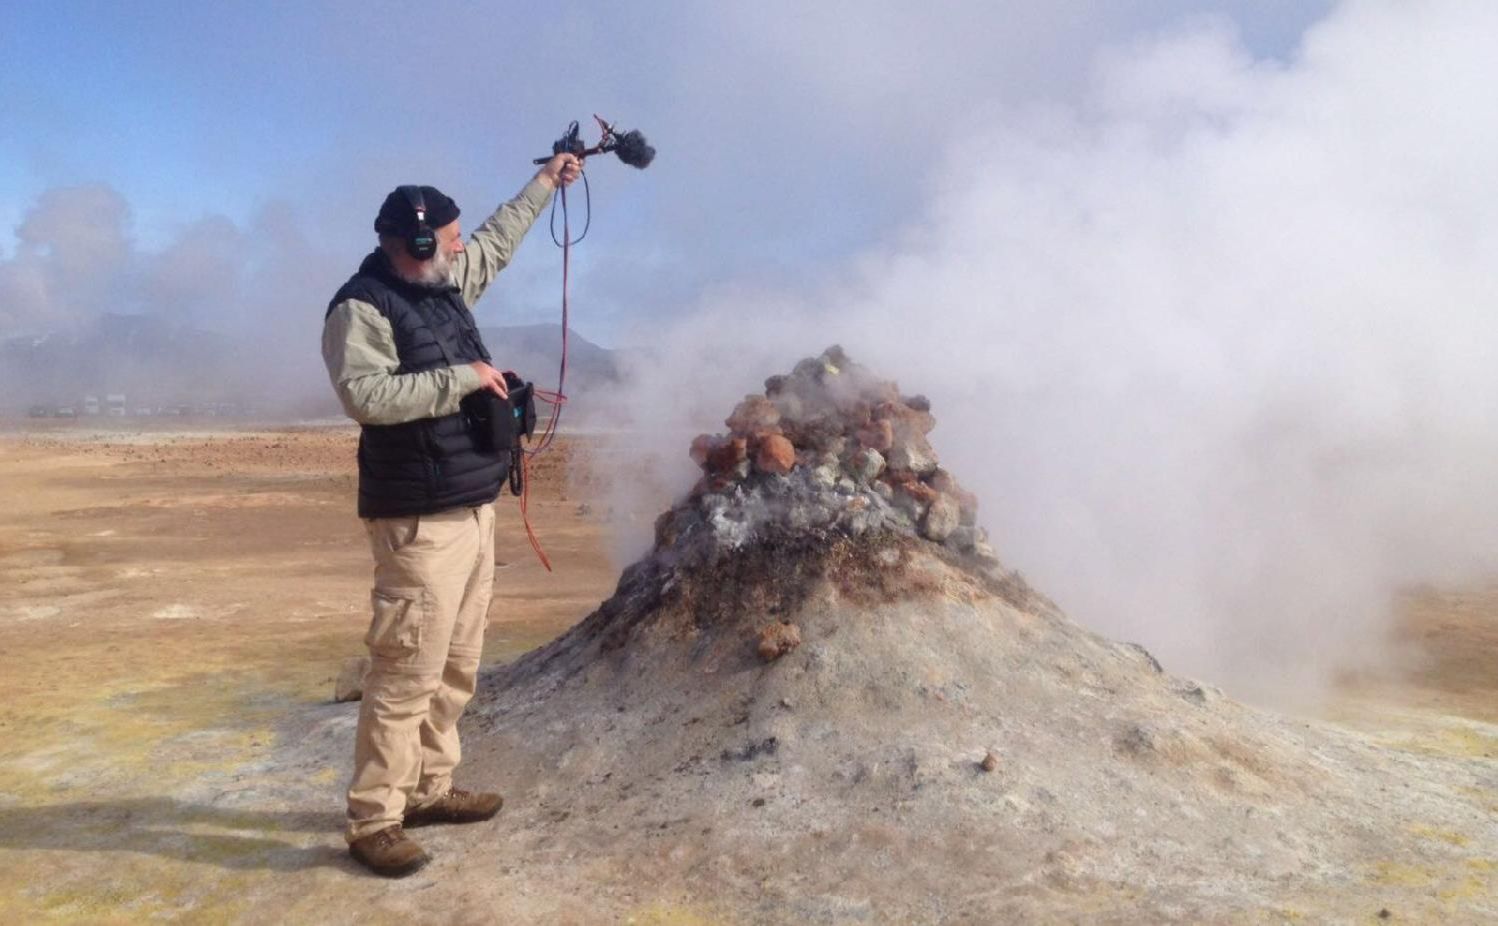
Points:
(824, 477)
(866, 465)
(941, 518)
(910, 506)
(915, 456)
(810, 368)
(963, 539)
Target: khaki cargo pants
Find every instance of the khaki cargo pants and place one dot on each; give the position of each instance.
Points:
(433, 577)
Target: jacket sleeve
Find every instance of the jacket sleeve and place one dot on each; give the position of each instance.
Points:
(492, 245)
(358, 347)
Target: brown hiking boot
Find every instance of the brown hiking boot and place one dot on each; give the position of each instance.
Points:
(389, 852)
(456, 806)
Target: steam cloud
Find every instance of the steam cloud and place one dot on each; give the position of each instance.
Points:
(77, 261)
(1212, 345)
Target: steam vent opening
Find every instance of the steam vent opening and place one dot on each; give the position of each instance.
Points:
(822, 696)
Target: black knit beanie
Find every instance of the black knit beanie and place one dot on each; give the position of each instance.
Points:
(398, 218)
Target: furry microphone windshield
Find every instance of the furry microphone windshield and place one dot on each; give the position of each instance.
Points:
(633, 149)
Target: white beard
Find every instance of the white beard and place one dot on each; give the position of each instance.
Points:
(434, 273)
(437, 271)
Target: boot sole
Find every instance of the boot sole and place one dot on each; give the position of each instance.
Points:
(393, 871)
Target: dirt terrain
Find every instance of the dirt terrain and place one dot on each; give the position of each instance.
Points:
(173, 611)
(174, 606)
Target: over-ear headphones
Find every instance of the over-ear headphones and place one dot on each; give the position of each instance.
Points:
(421, 241)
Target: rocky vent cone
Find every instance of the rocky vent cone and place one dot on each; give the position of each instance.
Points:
(822, 698)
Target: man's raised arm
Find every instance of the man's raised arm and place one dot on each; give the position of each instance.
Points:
(491, 246)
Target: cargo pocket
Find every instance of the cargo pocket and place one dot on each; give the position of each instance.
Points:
(395, 631)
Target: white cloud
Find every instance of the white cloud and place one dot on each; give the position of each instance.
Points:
(1212, 344)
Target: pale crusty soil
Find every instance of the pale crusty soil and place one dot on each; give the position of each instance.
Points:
(173, 609)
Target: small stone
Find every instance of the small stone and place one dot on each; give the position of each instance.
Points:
(755, 415)
(963, 539)
(912, 507)
(907, 422)
(726, 456)
(915, 456)
(776, 639)
(989, 763)
(941, 518)
(815, 432)
(809, 368)
(967, 502)
(867, 464)
(775, 455)
(907, 484)
(880, 435)
(350, 683)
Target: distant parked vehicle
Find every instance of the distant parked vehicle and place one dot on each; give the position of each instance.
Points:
(65, 411)
(39, 411)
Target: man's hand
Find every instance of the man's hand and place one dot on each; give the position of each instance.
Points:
(490, 378)
(561, 170)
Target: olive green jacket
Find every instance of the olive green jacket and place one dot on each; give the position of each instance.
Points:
(358, 346)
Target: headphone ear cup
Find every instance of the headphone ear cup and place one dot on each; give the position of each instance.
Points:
(421, 244)
(421, 241)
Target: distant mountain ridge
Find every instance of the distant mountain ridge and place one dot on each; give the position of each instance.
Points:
(535, 351)
(155, 361)
(151, 359)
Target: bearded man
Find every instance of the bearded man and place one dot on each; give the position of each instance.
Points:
(403, 352)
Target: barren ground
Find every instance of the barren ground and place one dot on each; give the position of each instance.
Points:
(174, 607)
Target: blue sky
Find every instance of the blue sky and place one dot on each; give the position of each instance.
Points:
(790, 134)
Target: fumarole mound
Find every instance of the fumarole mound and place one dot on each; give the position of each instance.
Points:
(822, 698)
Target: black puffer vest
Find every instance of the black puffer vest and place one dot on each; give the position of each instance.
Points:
(428, 465)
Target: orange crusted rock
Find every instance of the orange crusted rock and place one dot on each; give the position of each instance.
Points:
(755, 415)
(880, 436)
(777, 639)
(722, 458)
(775, 455)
